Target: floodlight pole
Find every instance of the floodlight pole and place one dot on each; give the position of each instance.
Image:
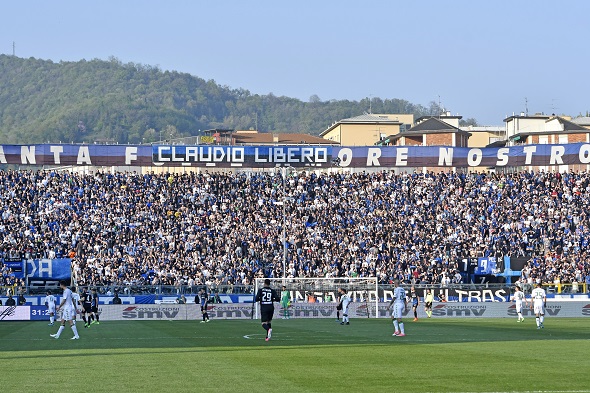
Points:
(285, 221)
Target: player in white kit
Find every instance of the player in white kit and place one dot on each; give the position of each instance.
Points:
(519, 297)
(50, 304)
(399, 303)
(67, 311)
(538, 303)
(76, 303)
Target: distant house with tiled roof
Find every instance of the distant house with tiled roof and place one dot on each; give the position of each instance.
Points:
(367, 129)
(263, 138)
(544, 129)
(431, 131)
(583, 121)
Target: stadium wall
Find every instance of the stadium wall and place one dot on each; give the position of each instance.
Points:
(191, 312)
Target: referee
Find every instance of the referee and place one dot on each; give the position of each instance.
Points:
(266, 296)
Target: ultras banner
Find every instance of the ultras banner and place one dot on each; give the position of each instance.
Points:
(295, 156)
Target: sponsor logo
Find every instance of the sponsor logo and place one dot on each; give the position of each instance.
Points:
(586, 310)
(8, 312)
(550, 310)
(231, 312)
(135, 312)
(316, 311)
(449, 310)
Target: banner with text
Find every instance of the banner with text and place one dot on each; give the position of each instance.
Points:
(41, 272)
(295, 155)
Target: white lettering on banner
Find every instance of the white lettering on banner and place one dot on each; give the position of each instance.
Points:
(45, 267)
(474, 157)
(345, 156)
(503, 156)
(373, 155)
(557, 153)
(529, 150)
(401, 156)
(27, 155)
(584, 155)
(445, 156)
(281, 155)
(561, 154)
(83, 156)
(484, 295)
(56, 150)
(174, 158)
(33, 267)
(130, 154)
(161, 150)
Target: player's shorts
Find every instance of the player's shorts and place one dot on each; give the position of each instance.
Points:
(518, 306)
(398, 310)
(285, 304)
(339, 306)
(94, 309)
(266, 313)
(51, 308)
(87, 308)
(428, 305)
(204, 307)
(66, 314)
(539, 308)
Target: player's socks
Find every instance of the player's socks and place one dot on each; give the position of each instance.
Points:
(75, 330)
(537, 320)
(265, 326)
(269, 334)
(396, 325)
(51, 319)
(401, 328)
(61, 329)
(541, 319)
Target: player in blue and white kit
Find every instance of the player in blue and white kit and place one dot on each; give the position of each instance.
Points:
(50, 303)
(415, 302)
(539, 301)
(399, 303)
(67, 307)
(344, 302)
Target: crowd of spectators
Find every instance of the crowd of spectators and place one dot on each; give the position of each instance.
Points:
(225, 229)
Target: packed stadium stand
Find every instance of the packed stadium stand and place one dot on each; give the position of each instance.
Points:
(226, 229)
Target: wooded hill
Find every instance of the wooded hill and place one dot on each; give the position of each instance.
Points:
(108, 101)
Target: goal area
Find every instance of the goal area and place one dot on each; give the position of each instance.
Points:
(318, 297)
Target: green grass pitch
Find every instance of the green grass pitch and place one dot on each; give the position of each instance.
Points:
(313, 355)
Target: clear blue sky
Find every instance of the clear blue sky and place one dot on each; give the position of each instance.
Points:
(482, 58)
